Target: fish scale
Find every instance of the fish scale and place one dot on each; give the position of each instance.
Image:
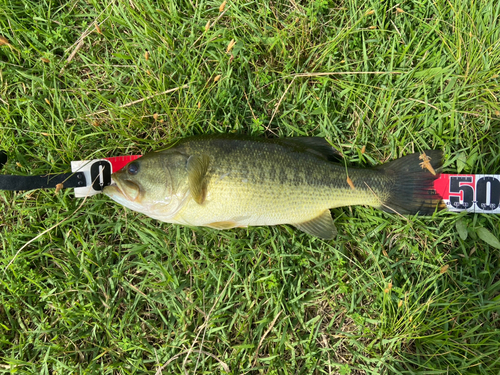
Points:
(261, 183)
(234, 181)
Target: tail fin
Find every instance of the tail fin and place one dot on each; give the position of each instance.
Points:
(413, 189)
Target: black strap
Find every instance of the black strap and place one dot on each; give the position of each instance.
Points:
(18, 183)
(48, 181)
(3, 158)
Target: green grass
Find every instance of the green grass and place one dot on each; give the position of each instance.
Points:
(110, 291)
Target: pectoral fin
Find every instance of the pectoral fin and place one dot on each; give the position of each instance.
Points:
(321, 226)
(197, 167)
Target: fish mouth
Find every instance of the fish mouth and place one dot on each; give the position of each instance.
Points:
(111, 189)
(124, 188)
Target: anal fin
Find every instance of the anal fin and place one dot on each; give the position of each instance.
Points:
(224, 225)
(321, 226)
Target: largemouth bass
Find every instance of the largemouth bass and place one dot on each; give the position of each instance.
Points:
(225, 182)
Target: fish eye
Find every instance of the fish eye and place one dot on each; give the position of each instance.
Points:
(133, 168)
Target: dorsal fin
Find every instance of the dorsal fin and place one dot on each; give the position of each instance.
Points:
(197, 167)
(321, 226)
(314, 145)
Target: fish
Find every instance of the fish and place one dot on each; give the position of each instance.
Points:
(231, 181)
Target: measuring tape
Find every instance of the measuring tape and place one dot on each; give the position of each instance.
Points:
(98, 172)
(477, 193)
(89, 177)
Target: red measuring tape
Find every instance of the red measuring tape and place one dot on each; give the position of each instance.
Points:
(98, 172)
(460, 192)
(478, 193)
